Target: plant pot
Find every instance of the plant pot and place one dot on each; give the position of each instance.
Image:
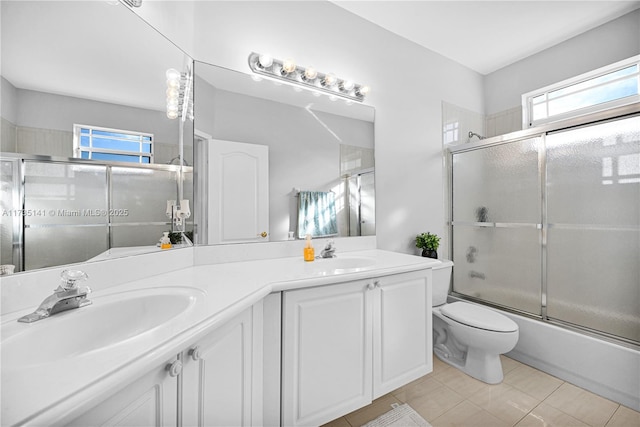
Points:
(430, 253)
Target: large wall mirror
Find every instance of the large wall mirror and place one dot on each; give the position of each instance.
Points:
(92, 71)
(275, 162)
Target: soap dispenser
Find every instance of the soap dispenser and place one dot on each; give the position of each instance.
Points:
(309, 252)
(165, 242)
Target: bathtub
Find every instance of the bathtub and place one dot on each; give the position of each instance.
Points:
(607, 369)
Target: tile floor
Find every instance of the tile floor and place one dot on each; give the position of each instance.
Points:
(526, 398)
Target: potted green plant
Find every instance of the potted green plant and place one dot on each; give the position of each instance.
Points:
(429, 244)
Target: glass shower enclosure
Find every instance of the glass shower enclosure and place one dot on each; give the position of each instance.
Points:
(547, 224)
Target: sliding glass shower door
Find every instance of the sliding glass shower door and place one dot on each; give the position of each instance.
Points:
(593, 215)
(496, 224)
(550, 226)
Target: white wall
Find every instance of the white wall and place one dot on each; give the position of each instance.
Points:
(408, 84)
(616, 40)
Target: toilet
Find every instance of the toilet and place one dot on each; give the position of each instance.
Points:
(468, 336)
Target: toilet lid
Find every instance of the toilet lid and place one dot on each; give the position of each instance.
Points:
(478, 317)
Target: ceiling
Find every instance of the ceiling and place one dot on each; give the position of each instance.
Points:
(488, 35)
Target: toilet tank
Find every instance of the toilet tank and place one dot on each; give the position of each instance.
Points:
(441, 281)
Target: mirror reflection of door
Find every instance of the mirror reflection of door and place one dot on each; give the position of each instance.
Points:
(238, 187)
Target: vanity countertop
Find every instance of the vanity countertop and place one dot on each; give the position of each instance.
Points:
(60, 386)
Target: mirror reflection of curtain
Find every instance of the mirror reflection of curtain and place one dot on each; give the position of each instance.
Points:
(317, 214)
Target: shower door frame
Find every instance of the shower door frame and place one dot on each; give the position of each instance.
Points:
(627, 111)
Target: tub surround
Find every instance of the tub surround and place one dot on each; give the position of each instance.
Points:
(75, 384)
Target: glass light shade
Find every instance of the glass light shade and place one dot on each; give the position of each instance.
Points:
(288, 65)
(172, 114)
(330, 79)
(310, 73)
(364, 90)
(172, 103)
(265, 60)
(173, 84)
(173, 74)
(347, 85)
(173, 92)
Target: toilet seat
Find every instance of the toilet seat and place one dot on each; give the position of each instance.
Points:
(478, 317)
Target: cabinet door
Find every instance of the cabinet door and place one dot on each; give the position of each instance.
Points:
(217, 376)
(149, 401)
(402, 330)
(326, 352)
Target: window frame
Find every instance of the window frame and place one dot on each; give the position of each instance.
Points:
(527, 98)
(78, 148)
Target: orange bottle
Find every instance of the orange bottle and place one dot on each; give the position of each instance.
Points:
(309, 252)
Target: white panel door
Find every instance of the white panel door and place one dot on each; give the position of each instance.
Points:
(326, 369)
(402, 330)
(238, 199)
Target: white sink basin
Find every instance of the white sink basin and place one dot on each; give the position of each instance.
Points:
(110, 320)
(342, 264)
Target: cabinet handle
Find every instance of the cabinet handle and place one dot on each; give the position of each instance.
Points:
(174, 368)
(195, 353)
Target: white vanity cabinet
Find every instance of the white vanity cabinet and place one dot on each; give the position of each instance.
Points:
(347, 344)
(149, 401)
(221, 379)
(217, 381)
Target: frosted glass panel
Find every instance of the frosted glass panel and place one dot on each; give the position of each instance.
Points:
(9, 204)
(594, 279)
(140, 195)
(499, 265)
(53, 246)
(593, 174)
(138, 235)
(69, 194)
(497, 184)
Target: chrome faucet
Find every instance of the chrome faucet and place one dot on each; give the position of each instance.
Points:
(328, 251)
(68, 295)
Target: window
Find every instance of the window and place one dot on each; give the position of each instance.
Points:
(91, 142)
(611, 86)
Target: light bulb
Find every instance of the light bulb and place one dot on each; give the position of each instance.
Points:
(329, 80)
(172, 103)
(288, 66)
(173, 74)
(347, 85)
(173, 84)
(172, 114)
(173, 92)
(363, 90)
(310, 73)
(265, 60)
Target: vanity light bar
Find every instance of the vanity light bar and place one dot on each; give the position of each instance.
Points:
(134, 3)
(179, 103)
(308, 77)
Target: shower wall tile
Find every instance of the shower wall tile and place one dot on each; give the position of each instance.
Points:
(504, 122)
(8, 136)
(47, 142)
(457, 122)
